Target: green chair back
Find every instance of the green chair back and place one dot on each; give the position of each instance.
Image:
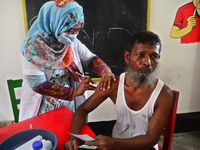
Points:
(12, 84)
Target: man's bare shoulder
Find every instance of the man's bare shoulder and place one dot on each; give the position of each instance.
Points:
(167, 91)
(108, 92)
(165, 98)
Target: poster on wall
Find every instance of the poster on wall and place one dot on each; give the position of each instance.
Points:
(187, 23)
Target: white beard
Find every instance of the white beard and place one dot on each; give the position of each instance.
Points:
(146, 80)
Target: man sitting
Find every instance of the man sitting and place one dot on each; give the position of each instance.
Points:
(142, 101)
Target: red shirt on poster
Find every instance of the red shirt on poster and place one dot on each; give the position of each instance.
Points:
(181, 22)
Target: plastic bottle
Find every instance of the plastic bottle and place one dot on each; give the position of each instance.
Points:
(47, 144)
(28, 144)
(37, 145)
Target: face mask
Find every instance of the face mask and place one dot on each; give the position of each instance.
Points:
(67, 39)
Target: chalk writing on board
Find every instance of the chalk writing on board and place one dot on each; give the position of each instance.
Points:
(91, 41)
(109, 30)
(118, 28)
(32, 20)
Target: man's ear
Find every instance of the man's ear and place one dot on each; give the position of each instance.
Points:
(126, 56)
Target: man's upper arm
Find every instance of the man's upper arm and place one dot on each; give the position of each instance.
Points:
(178, 22)
(96, 99)
(162, 109)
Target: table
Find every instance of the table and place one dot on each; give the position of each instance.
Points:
(58, 121)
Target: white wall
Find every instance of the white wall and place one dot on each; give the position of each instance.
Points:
(179, 64)
(12, 34)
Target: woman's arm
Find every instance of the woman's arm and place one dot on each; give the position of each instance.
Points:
(96, 64)
(40, 85)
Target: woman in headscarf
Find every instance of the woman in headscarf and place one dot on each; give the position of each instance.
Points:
(52, 60)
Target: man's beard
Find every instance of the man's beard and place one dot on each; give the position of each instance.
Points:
(145, 80)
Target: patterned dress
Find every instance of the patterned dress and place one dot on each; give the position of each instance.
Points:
(59, 77)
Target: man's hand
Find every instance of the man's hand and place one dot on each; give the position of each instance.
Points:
(191, 22)
(106, 79)
(72, 144)
(84, 85)
(102, 142)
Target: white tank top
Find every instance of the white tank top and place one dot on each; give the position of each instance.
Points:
(129, 120)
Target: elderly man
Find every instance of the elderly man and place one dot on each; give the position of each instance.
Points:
(142, 101)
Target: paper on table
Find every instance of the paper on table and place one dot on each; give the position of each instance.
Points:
(85, 138)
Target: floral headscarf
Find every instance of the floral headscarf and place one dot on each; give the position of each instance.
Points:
(41, 46)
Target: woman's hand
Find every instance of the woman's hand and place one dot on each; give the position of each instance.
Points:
(106, 79)
(84, 85)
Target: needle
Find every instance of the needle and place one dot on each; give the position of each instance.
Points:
(79, 74)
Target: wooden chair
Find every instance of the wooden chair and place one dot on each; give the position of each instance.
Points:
(12, 84)
(169, 129)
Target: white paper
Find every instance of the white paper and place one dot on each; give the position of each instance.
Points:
(85, 138)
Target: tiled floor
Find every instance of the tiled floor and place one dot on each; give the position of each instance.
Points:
(185, 141)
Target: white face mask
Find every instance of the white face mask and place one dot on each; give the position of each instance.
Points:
(67, 39)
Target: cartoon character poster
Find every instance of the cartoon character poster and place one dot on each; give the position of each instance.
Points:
(187, 23)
